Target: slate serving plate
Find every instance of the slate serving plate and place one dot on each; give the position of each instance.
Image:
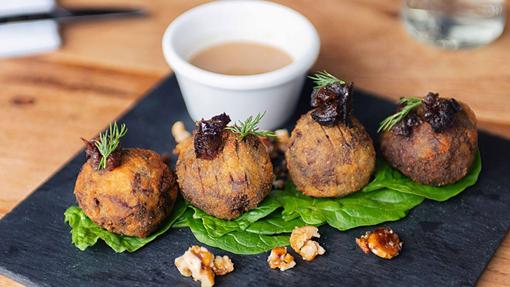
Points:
(446, 244)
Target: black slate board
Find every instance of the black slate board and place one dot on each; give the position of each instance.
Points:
(446, 244)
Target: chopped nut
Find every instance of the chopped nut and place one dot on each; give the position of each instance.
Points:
(382, 242)
(197, 262)
(279, 258)
(222, 265)
(179, 132)
(278, 184)
(362, 243)
(282, 139)
(300, 241)
(202, 265)
(276, 148)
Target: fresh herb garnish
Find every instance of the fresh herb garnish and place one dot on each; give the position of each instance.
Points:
(109, 141)
(250, 127)
(322, 79)
(408, 104)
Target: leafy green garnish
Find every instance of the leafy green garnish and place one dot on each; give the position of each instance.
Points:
(358, 209)
(85, 233)
(322, 79)
(275, 224)
(236, 241)
(408, 104)
(109, 141)
(387, 177)
(216, 227)
(250, 127)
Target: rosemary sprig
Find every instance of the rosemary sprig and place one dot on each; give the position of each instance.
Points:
(408, 104)
(322, 79)
(249, 127)
(109, 141)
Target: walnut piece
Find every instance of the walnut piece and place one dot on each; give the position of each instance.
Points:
(276, 148)
(282, 139)
(202, 265)
(179, 132)
(197, 262)
(222, 265)
(300, 241)
(279, 258)
(383, 242)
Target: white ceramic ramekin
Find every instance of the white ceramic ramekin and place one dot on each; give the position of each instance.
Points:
(207, 94)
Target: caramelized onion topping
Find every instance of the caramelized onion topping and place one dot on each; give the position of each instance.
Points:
(208, 138)
(405, 126)
(92, 153)
(438, 112)
(333, 104)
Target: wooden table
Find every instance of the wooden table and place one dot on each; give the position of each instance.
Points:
(48, 102)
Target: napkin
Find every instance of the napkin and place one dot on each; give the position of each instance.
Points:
(30, 37)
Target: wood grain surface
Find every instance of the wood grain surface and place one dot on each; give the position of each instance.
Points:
(50, 101)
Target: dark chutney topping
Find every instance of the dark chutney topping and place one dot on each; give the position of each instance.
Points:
(438, 112)
(208, 139)
(405, 126)
(92, 153)
(333, 104)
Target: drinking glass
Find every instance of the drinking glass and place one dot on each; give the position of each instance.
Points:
(455, 24)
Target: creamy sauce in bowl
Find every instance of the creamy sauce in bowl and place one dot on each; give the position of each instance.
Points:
(240, 58)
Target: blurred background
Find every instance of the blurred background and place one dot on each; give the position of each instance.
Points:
(49, 101)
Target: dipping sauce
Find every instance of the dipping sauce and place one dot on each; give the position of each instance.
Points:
(241, 58)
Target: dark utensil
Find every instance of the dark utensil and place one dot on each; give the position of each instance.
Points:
(75, 14)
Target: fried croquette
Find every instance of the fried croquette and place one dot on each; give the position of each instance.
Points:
(221, 173)
(131, 199)
(435, 144)
(330, 154)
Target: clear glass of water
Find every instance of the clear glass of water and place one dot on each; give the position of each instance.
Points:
(455, 24)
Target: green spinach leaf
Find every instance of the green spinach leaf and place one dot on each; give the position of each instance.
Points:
(358, 209)
(238, 241)
(85, 233)
(275, 224)
(388, 177)
(217, 227)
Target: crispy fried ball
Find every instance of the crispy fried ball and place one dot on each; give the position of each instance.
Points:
(132, 199)
(329, 161)
(235, 180)
(430, 157)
